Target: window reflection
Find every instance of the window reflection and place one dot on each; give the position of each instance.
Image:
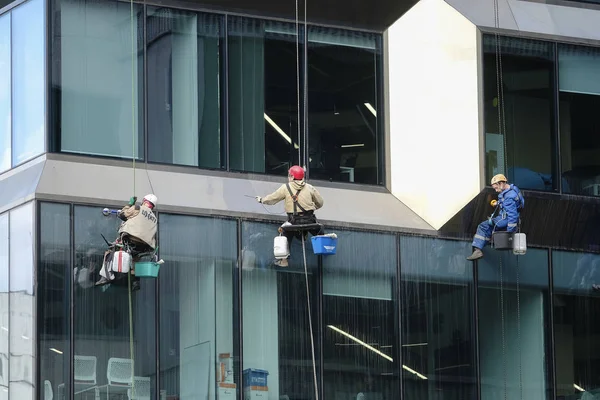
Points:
(94, 83)
(579, 85)
(102, 356)
(263, 102)
(5, 94)
(28, 72)
(513, 325)
(53, 288)
(528, 85)
(22, 303)
(275, 315)
(576, 327)
(360, 338)
(183, 87)
(196, 307)
(342, 105)
(438, 346)
(4, 307)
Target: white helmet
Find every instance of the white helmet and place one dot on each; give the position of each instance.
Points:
(152, 199)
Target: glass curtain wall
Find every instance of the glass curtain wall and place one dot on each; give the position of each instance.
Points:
(576, 326)
(360, 308)
(4, 308)
(21, 324)
(198, 352)
(276, 330)
(343, 102)
(263, 96)
(528, 87)
(5, 93)
(579, 95)
(93, 62)
(54, 277)
(102, 354)
(28, 80)
(514, 325)
(438, 331)
(184, 59)
(22, 81)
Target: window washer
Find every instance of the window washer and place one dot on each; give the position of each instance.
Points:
(138, 231)
(301, 201)
(510, 203)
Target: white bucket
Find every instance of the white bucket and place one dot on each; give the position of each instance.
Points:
(121, 262)
(280, 247)
(519, 244)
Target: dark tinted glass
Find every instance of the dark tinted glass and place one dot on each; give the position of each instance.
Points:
(525, 152)
(263, 96)
(184, 60)
(438, 333)
(343, 105)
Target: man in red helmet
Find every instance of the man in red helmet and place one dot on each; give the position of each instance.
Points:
(301, 201)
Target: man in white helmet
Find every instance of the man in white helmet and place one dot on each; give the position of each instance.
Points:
(138, 229)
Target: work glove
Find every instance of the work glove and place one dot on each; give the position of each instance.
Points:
(132, 200)
(258, 198)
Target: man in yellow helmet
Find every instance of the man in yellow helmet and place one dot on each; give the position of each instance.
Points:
(509, 205)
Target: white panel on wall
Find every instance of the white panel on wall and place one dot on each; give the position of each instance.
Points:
(433, 111)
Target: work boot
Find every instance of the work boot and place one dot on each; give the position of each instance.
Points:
(283, 262)
(102, 281)
(477, 254)
(135, 285)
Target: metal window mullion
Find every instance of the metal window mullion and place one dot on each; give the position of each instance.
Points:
(398, 315)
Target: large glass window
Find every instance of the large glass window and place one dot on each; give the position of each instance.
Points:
(527, 120)
(22, 303)
(197, 329)
(263, 96)
(5, 93)
(576, 324)
(438, 333)
(103, 361)
(276, 330)
(360, 318)
(183, 50)
(579, 85)
(4, 308)
(343, 102)
(514, 315)
(28, 80)
(53, 299)
(99, 71)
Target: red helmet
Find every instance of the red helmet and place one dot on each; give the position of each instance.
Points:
(297, 172)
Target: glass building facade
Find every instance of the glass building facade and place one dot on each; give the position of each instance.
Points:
(393, 316)
(550, 92)
(397, 313)
(215, 91)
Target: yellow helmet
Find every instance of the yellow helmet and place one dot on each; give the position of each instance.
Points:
(499, 178)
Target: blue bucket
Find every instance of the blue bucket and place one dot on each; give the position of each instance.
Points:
(324, 245)
(146, 269)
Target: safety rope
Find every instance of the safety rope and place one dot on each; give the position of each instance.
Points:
(306, 159)
(298, 83)
(133, 115)
(502, 326)
(500, 84)
(519, 332)
(312, 343)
